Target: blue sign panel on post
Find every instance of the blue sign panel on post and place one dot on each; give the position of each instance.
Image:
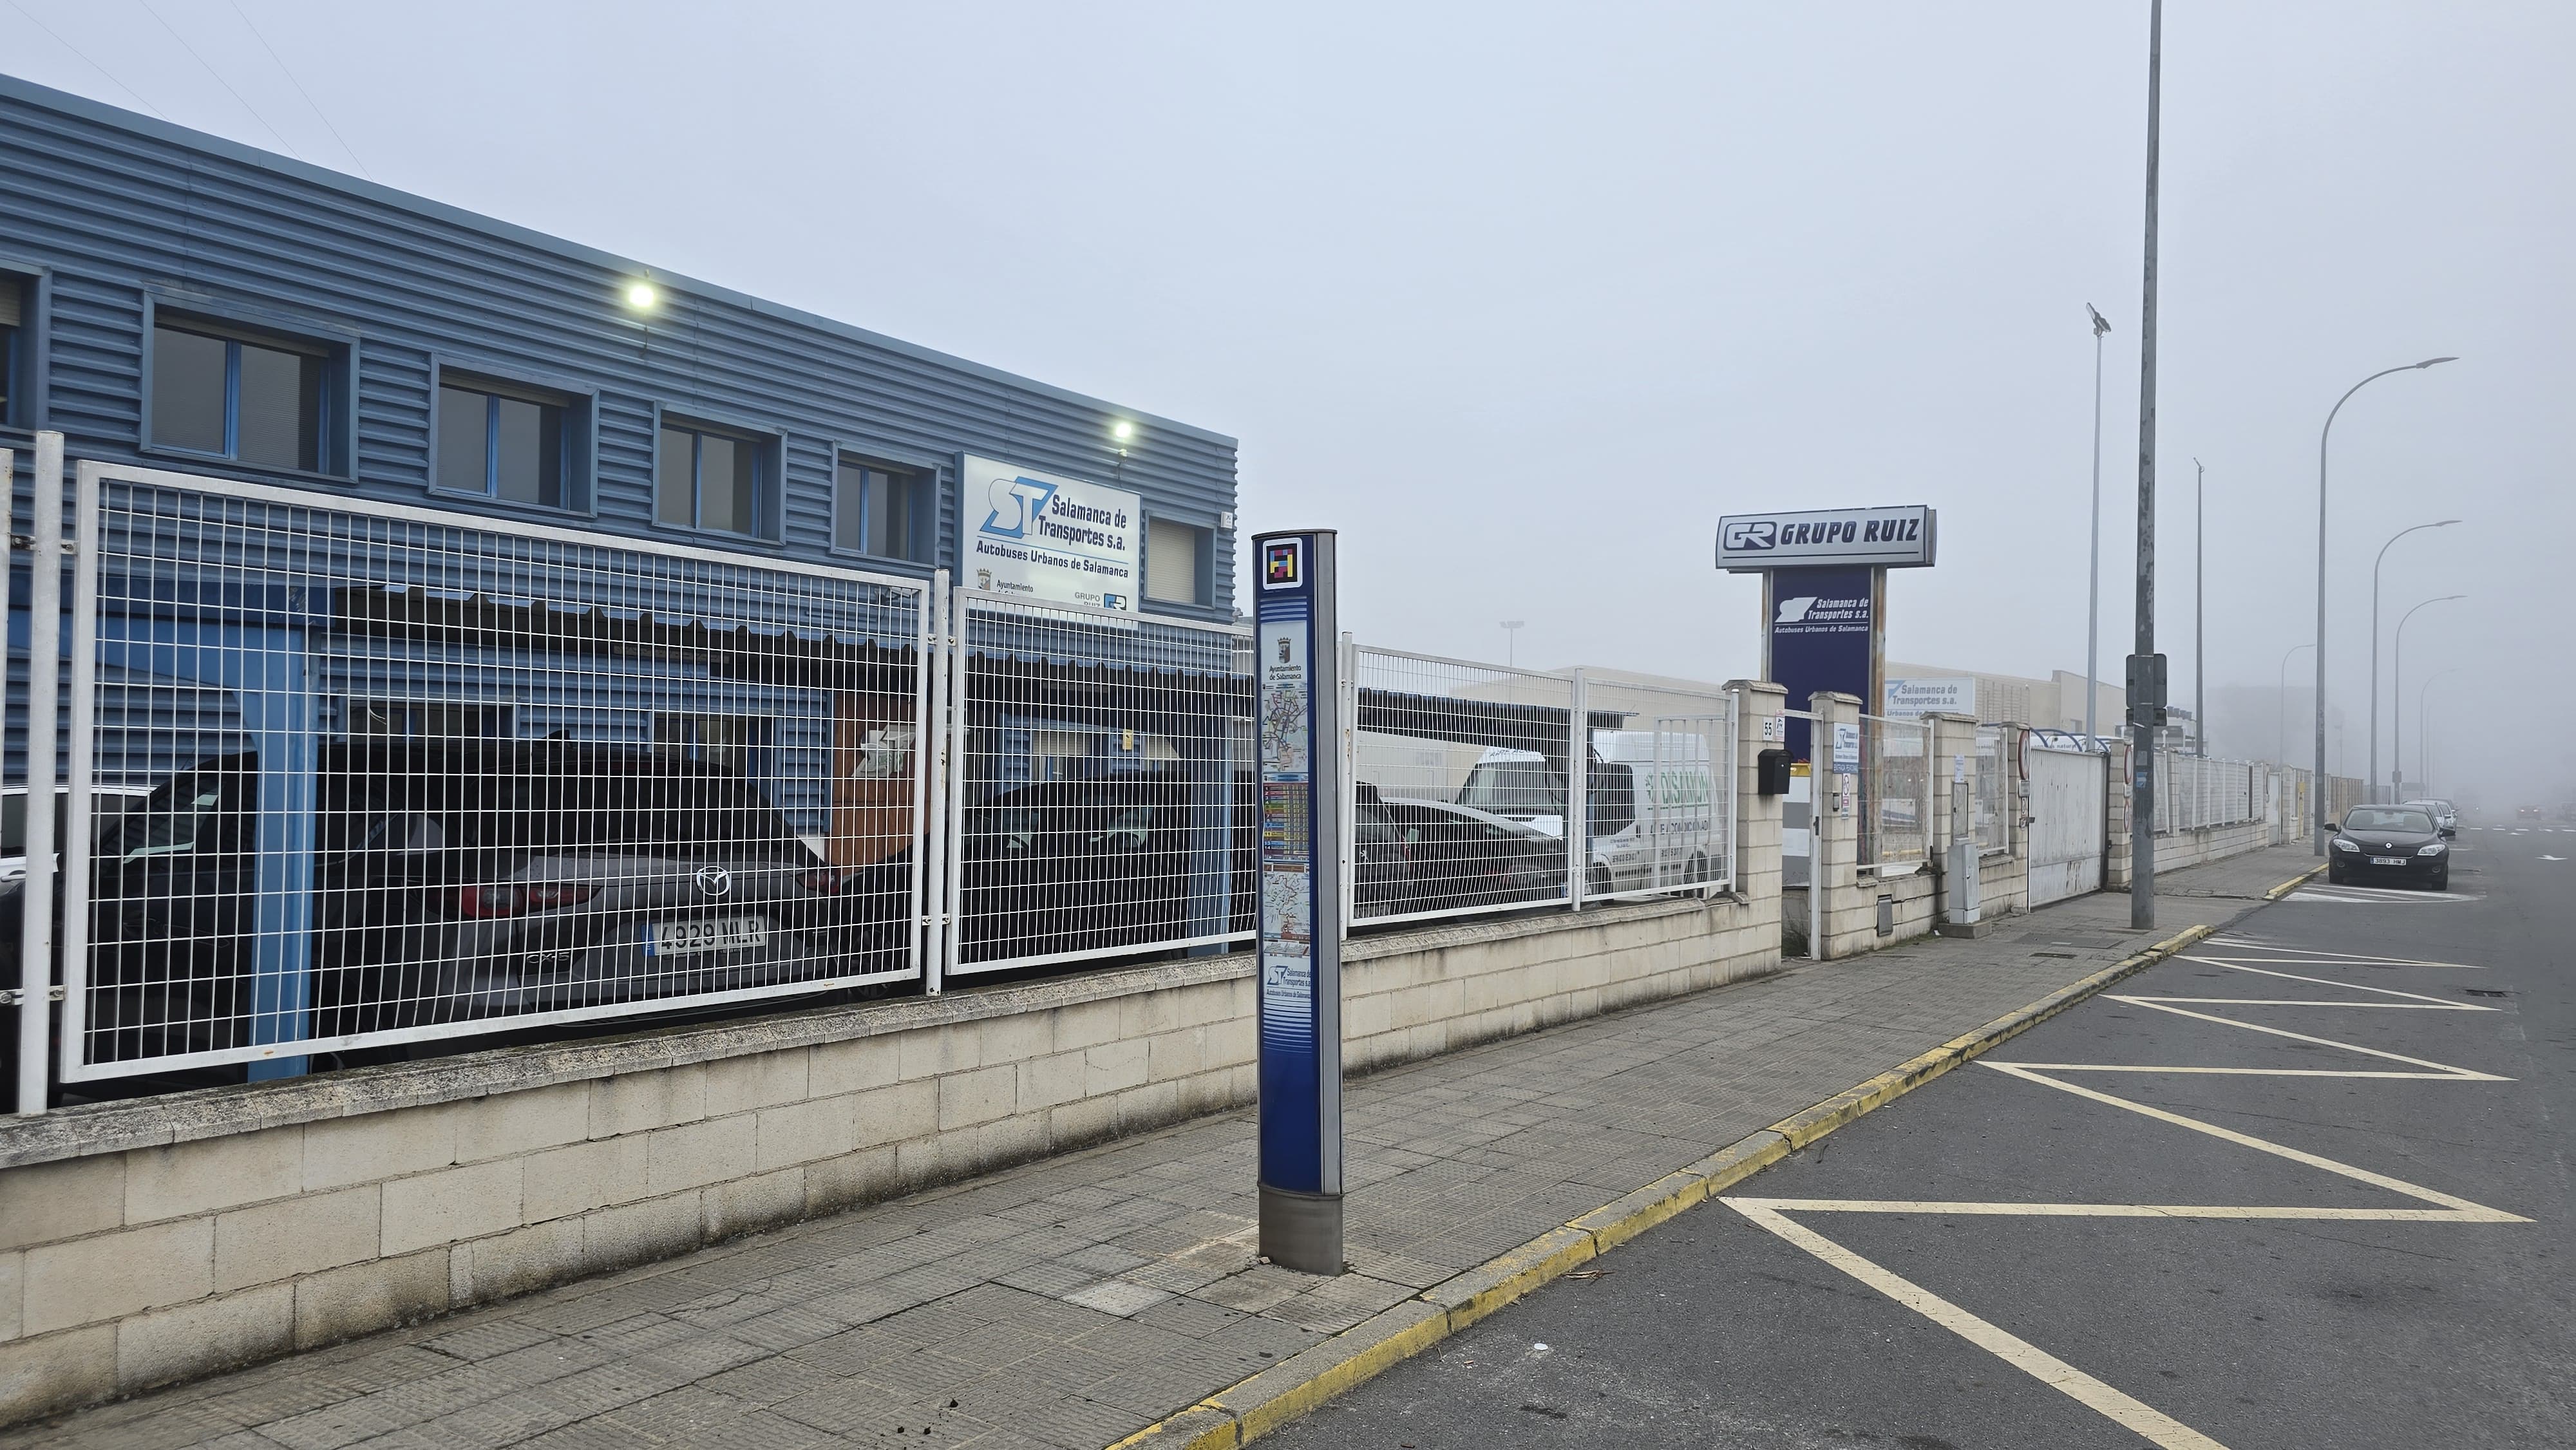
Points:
(1296, 677)
(1822, 635)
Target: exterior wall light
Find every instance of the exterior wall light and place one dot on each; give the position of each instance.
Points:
(1122, 430)
(642, 296)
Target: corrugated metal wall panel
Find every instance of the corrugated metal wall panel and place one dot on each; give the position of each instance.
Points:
(121, 204)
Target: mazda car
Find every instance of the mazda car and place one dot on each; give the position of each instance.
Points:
(2400, 845)
(454, 881)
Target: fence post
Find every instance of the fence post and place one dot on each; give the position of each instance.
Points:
(1833, 835)
(1753, 830)
(1953, 849)
(1578, 787)
(44, 679)
(931, 765)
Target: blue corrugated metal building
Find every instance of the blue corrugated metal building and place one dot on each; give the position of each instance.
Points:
(175, 300)
(125, 241)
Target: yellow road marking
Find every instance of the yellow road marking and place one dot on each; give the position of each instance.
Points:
(2021, 1354)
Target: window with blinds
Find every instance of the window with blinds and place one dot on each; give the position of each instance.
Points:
(1175, 562)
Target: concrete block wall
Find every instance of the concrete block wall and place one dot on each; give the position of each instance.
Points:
(155, 1240)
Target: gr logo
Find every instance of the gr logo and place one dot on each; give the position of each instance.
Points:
(1017, 502)
(1753, 534)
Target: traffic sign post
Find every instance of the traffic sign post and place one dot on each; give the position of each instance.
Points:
(1298, 704)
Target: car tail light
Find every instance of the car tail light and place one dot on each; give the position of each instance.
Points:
(489, 902)
(822, 880)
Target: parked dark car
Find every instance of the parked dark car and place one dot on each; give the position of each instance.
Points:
(455, 880)
(1460, 856)
(1093, 866)
(2398, 844)
(1381, 858)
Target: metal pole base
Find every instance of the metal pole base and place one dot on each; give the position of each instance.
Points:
(1302, 1231)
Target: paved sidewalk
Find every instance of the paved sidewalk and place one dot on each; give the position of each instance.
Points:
(1072, 1302)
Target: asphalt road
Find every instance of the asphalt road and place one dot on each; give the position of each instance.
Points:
(2323, 1322)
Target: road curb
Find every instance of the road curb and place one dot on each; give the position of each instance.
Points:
(1246, 1411)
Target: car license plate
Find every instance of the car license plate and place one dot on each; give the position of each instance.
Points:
(2387, 860)
(689, 938)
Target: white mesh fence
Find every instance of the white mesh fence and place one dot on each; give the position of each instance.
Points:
(1659, 806)
(413, 774)
(2196, 793)
(1460, 792)
(1993, 802)
(1103, 800)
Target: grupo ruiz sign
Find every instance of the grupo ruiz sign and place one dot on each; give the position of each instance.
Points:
(1884, 538)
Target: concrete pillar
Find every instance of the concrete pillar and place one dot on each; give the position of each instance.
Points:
(1837, 904)
(1959, 909)
(2115, 819)
(1755, 852)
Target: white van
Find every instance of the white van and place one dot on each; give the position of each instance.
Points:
(1653, 812)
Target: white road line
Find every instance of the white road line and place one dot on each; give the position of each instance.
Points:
(2021, 1354)
(2319, 958)
(2414, 998)
(2339, 896)
(1773, 1214)
(2481, 1213)
(2242, 1071)
(1934, 1207)
(2460, 1073)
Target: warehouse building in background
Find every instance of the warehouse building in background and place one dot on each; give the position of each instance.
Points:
(177, 301)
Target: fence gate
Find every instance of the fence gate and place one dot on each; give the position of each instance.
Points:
(2067, 823)
(346, 774)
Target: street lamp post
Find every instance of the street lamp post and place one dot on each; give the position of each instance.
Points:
(2282, 753)
(2423, 742)
(2397, 694)
(2146, 705)
(2093, 604)
(2323, 434)
(1512, 640)
(2199, 614)
(2393, 705)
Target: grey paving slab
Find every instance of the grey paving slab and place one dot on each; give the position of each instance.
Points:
(1071, 1302)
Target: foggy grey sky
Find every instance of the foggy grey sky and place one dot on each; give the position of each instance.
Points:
(1521, 299)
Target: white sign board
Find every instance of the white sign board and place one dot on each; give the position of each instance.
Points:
(1041, 536)
(1909, 698)
(1846, 747)
(1886, 538)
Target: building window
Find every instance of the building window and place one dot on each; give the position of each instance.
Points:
(17, 351)
(253, 400)
(1175, 562)
(882, 511)
(504, 446)
(708, 480)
